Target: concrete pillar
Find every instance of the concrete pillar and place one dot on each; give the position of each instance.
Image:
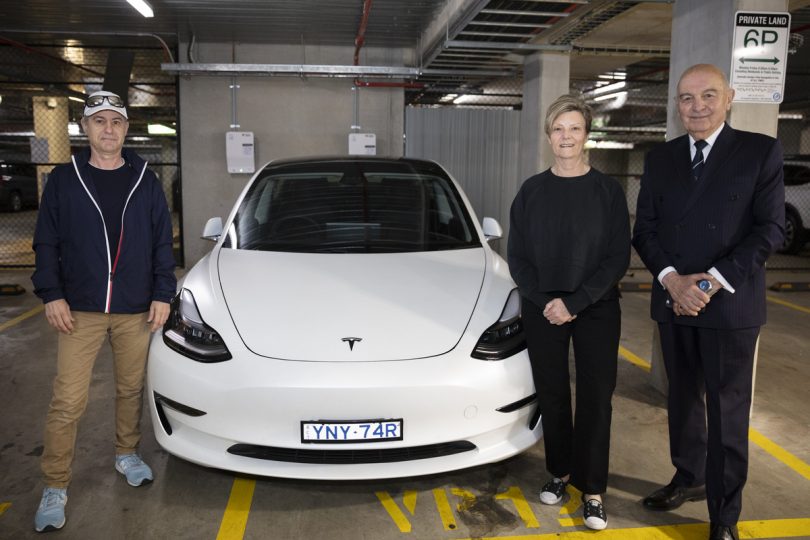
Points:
(545, 78)
(51, 125)
(703, 33)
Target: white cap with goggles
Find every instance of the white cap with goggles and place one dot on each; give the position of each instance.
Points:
(104, 101)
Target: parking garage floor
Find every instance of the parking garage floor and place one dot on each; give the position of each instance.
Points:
(495, 501)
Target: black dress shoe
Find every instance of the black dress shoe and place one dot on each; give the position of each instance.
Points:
(671, 497)
(721, 532)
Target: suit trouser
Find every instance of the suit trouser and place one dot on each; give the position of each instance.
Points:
(76, 356)
(579, 446)
(717, 364)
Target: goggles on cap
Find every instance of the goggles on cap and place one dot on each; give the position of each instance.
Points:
(95, 101)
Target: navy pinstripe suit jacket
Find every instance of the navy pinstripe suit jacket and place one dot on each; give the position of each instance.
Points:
(731, 219)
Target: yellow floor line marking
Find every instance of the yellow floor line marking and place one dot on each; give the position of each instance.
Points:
(633, 359)
(772, 528)
(755, 436)
(234, 521)
(3, 507)
(409, 500)
(788, 304)
(393, 510)
(571, 521)
(445, 511)
(574, 501)
(21, 318)
(515, 495)
(780, 453)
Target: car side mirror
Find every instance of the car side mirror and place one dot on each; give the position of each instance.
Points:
(213, 229)
(492, 229)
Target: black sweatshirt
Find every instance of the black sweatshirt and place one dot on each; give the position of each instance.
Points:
(569, 238)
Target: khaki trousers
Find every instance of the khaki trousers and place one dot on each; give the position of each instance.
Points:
(76, 356)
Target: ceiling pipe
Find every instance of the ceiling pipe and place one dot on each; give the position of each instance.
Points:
(360, 38)
(163, 44)
(359, 41)
(55, 58)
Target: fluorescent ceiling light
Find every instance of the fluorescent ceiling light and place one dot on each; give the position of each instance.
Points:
(142, 7)
(613, 75)
(610, 87)
(160, 129)
(73, 129)
(791, 116)
(610, 96)
(74, 98)
(609, 145)
(465, 98)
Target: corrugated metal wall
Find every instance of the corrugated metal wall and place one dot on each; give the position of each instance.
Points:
(480, 150)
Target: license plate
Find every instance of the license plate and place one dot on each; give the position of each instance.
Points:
(341, 431)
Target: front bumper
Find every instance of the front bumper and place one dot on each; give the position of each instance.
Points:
(448, 401)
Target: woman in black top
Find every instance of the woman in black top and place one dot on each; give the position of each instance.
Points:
(569, 245)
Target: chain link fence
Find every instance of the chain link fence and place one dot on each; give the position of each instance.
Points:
(43, 88)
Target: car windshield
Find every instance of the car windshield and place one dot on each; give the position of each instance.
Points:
(348, 206)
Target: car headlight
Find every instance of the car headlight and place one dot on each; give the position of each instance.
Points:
(186, 332)
(505, 337)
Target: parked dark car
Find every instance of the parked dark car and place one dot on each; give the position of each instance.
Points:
(797, 207)
(18, 186)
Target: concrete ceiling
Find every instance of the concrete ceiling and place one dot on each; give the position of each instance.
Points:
(473, 46)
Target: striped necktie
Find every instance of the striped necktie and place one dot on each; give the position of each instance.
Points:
(697, 161)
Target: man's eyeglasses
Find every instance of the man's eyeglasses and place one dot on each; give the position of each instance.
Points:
(95, 101)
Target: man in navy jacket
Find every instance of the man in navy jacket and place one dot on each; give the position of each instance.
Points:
(710, 212)
(104, 269)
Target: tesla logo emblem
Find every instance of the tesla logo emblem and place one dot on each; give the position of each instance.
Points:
(351, 341)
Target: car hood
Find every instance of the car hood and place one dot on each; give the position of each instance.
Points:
(351, 307)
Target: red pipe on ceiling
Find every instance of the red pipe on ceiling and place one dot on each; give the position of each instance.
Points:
(359, 41)
(361, 31)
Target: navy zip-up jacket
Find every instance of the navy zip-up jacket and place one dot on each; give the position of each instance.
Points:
(72, 254)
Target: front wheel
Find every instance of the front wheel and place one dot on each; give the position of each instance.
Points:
(794, 233)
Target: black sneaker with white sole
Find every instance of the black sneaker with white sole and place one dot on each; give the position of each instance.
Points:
(553, 491)
(594, 514)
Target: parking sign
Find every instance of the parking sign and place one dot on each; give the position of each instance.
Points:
(759, 59)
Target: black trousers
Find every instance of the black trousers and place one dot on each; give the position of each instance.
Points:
(579, 446)
(717, 364)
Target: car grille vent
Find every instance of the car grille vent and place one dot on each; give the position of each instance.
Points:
(345, 457)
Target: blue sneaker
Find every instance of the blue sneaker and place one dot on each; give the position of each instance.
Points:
(51, 512)
(132, 466)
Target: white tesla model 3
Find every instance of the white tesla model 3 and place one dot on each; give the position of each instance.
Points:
(351, 322)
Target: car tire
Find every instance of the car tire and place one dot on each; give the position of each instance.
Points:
(794, 233)
(14, 203)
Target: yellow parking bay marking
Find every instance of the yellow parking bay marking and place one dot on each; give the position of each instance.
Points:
(779, 453)
(568, 510)
(3, 507)
(445, 511)
(756, 437)
(447, 514)
(21, 318)
(515, 495)
(234, 521)
(393, 510)
(788, 304)
(634, 359)
(772, 528)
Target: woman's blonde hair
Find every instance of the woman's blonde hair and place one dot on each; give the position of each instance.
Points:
(568, 103)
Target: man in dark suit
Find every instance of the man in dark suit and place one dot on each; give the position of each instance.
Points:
(710, 212)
